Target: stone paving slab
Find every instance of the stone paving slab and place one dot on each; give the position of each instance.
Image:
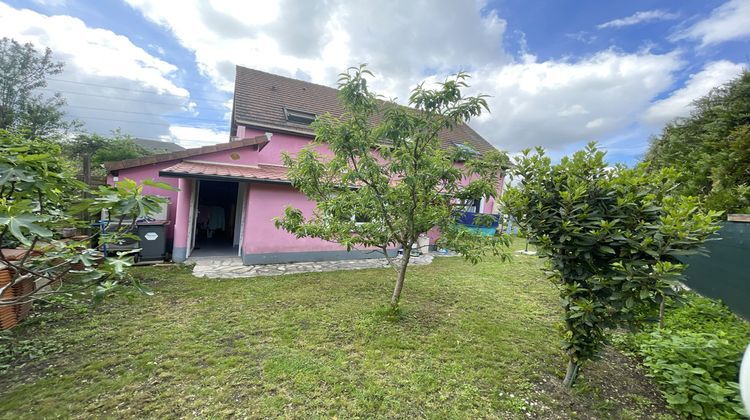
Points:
(232, 267)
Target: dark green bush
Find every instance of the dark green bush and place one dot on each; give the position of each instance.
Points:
(696, 357)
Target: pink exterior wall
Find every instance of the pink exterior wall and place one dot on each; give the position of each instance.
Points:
(264, 201)
(182, 219)
(491, 203)
(267, 201)
(247, 156)
(279, 144)
(292, 145)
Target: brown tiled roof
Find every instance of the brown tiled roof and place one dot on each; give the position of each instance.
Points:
(261, 172)
(260, 99)
(259, 141)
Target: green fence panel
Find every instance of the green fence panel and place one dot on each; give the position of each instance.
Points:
(725, 273)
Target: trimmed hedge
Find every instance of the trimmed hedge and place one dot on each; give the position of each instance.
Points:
(696, 357)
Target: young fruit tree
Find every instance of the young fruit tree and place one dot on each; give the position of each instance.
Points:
(388, 179)
(39, 197)
(612, 237)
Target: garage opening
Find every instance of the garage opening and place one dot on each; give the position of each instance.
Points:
(216, 218)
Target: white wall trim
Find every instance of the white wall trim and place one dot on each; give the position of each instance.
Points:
(192, 217)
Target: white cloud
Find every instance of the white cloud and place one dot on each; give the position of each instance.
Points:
(582, 36)
(552, 103)
(573, 110)
(189, 136)
(555, 103)
(727, 22)
(638, 18)
(679, 102)
(98, 52)
(108, 81)
(402, 41)
(157, 48)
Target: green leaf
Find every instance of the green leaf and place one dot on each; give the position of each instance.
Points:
(118, 264)
(158, 184)
(24, 224)
(606, 249)
(10, 174)
(143, 289)
(90, 276)
(677, 399)
(629, 302)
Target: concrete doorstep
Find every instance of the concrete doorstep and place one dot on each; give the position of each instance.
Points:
(232, 267)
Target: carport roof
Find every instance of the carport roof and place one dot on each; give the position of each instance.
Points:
(227, 171)
(259, 141)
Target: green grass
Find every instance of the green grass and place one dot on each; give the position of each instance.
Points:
(469, 341)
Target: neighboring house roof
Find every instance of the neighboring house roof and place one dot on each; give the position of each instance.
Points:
(260, 101)
(202, 169)
(157, 146)
(259, 141)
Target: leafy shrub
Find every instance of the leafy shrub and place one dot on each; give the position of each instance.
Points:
(698, 372)
(39, 196)
(612, 237)
(696, 357)
(701, 314)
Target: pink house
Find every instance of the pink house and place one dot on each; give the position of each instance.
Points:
(228, 194)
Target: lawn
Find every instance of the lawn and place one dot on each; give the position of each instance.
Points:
(471, 341)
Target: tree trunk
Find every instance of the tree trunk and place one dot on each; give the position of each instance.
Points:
(572, 373)
(87, 169)
(401, 276)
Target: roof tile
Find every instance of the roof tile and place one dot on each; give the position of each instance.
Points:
(260, 99)
(260, 172)
(259, 141)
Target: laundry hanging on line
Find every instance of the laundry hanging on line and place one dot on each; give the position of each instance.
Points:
(211, 218)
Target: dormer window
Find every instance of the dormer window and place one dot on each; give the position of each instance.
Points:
(465, 148)
(299, 117)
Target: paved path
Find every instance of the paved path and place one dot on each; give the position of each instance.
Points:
(232, 267)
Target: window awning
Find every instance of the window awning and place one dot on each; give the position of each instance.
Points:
(227, 171)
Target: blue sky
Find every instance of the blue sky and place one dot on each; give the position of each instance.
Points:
(560, 73)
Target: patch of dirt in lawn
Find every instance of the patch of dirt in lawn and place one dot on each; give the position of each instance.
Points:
(615, 386)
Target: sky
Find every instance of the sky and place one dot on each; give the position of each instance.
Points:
(559, 73)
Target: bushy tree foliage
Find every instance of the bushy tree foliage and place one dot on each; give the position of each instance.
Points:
(38, 197)
(93, 150)
(118, 147)
(23, 70)
(612, 237)
(388, 179)
(711, 148)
